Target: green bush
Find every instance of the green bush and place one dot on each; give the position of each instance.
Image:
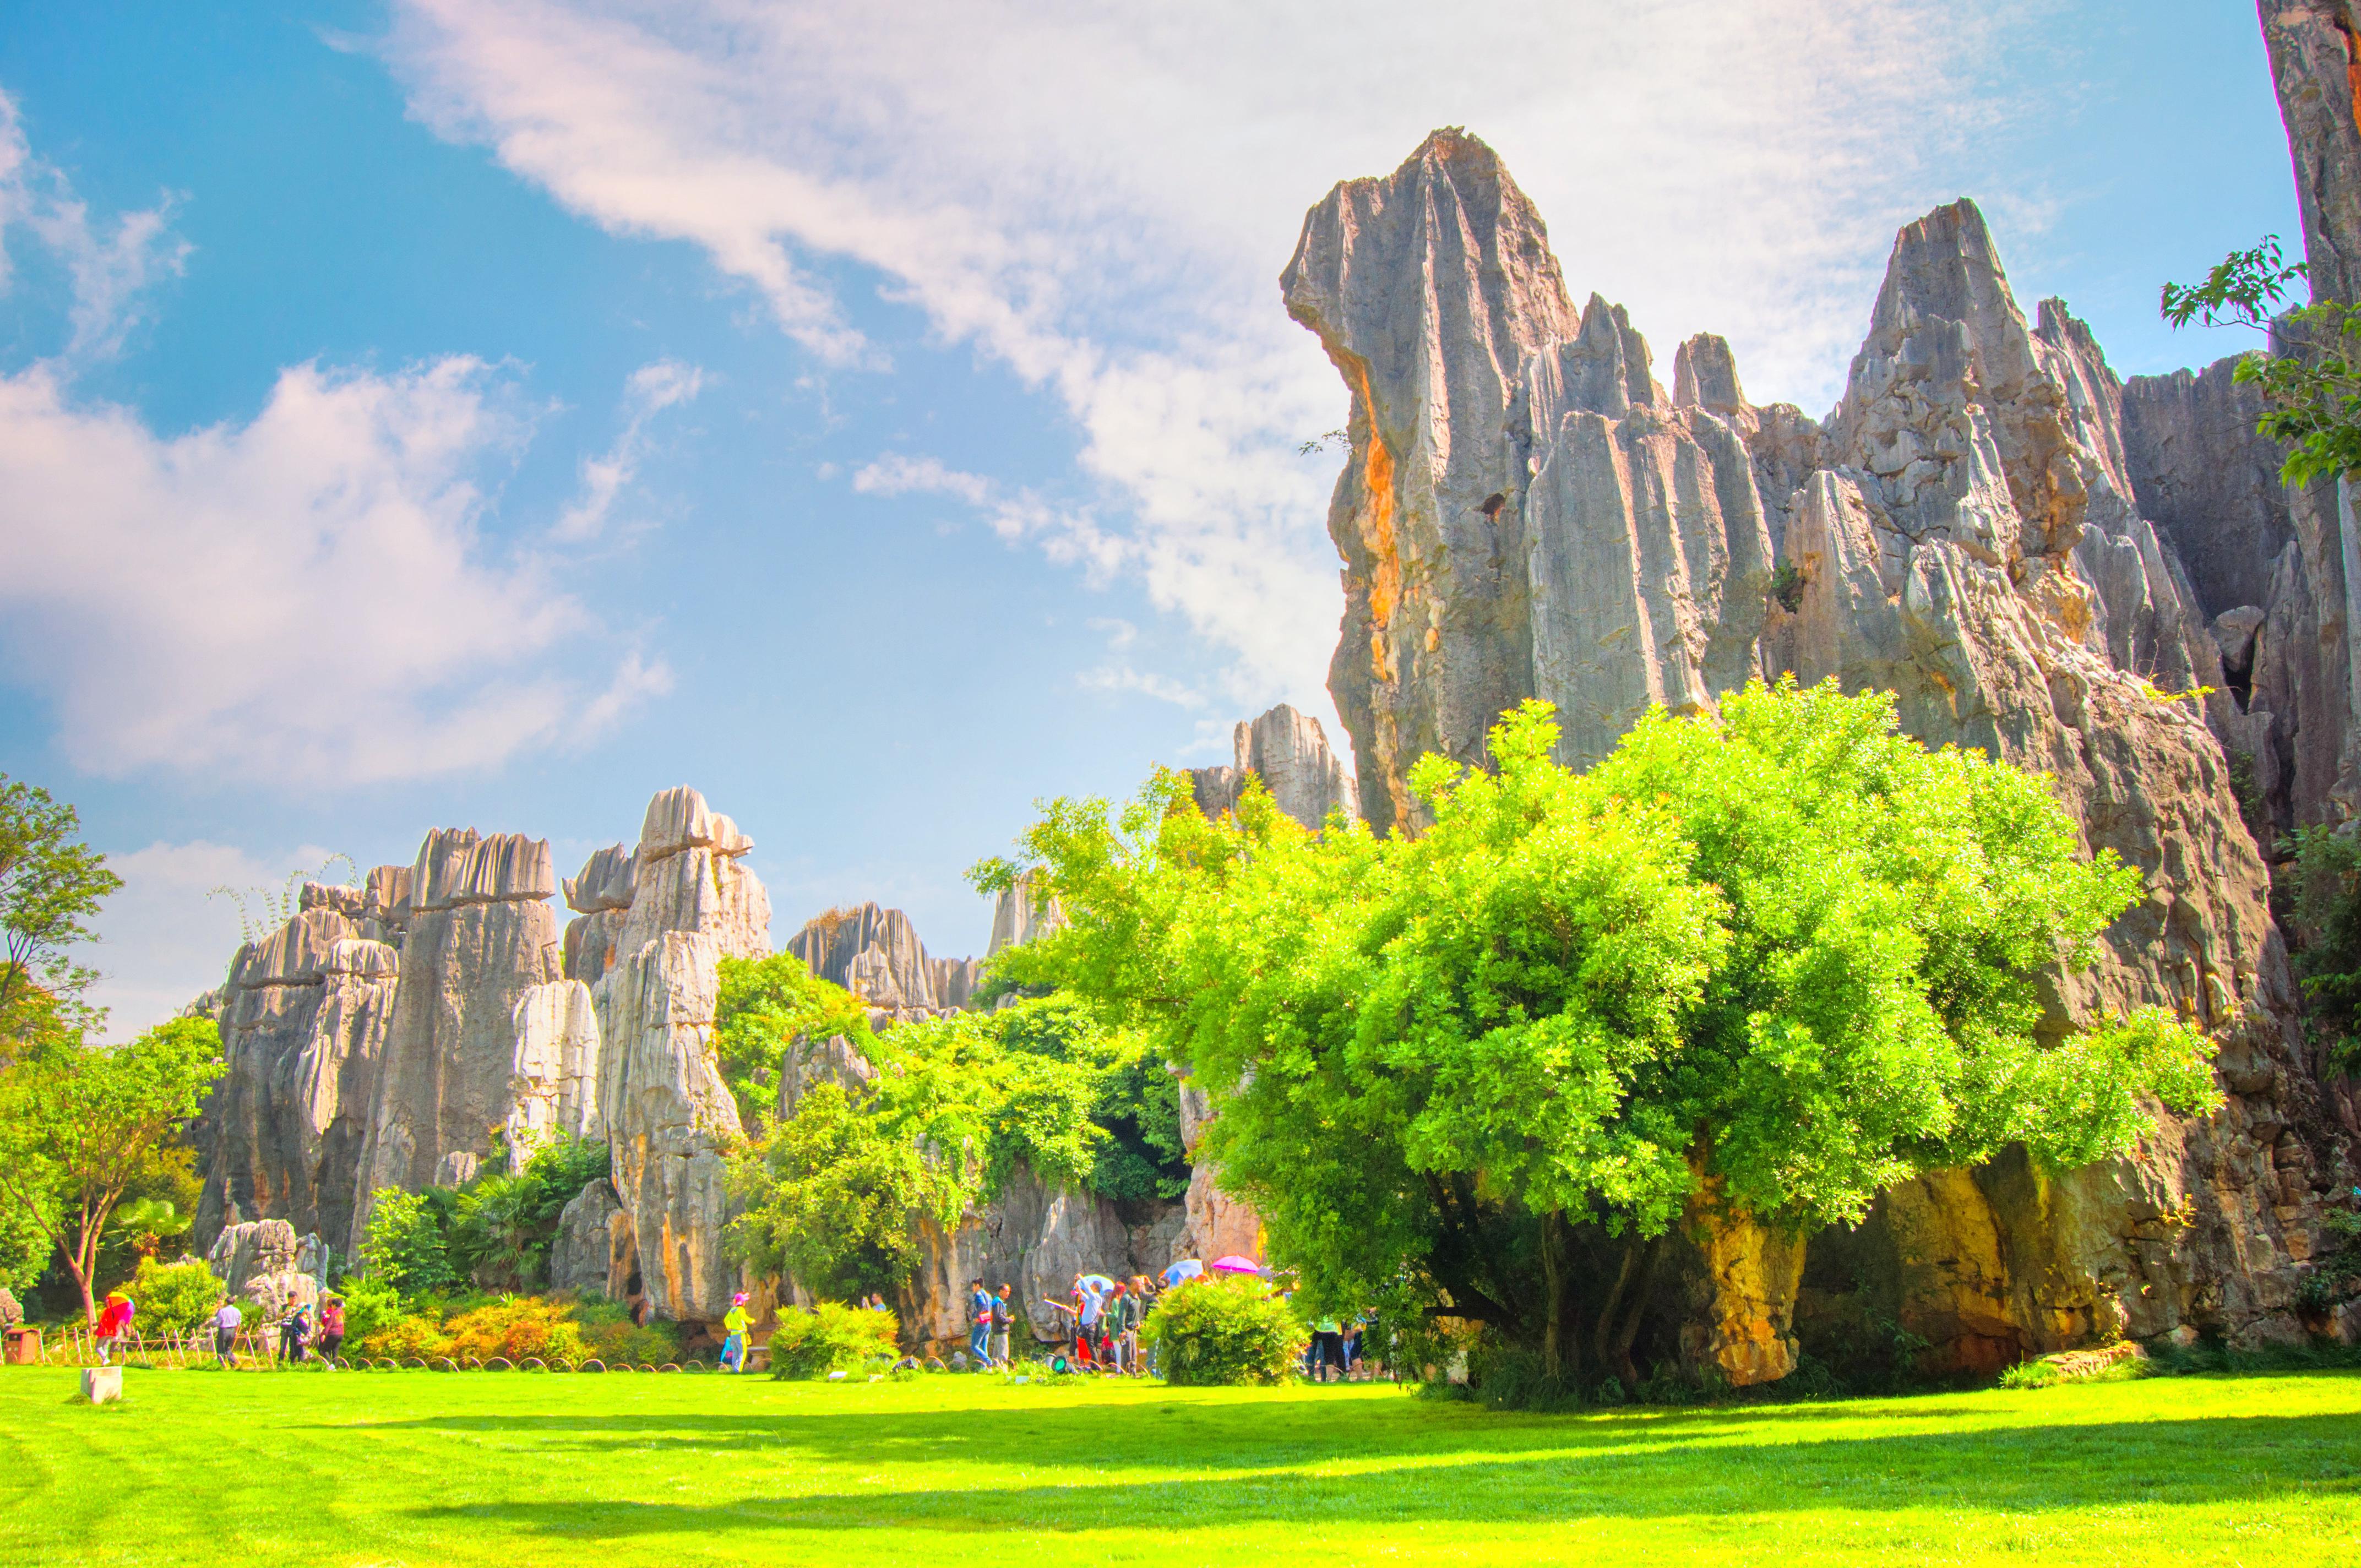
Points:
(403, 1244)
(831, 1338)
(174, 1298)
(2029, 1375)
(1230, 1330)
(370, 1306)
(517, 1328)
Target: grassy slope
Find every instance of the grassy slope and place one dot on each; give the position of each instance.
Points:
(514, 1469)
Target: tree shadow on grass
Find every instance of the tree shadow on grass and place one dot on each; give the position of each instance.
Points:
(2015, 1469)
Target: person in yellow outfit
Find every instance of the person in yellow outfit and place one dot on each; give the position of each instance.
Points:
(734, 1324)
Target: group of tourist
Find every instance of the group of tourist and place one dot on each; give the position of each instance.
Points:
(300, 1336)
(1102, 1318)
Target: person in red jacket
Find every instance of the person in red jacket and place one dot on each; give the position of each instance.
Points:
(114, 1323)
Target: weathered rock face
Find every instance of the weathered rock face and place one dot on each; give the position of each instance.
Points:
(667, 1114)
(480, 935)
(267, 1262)
(596, 1249)
(1035, 1237)
(876, 955)
(1526, 512)
(1290, 752)
(304, 1020)
(554, 1082)
(1018, 916)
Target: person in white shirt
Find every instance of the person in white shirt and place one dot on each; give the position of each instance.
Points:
(226, 1322)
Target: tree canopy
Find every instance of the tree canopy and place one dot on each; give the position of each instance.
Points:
(1785, 957)
(81, 1124)
(837, 1193)
(50, 885)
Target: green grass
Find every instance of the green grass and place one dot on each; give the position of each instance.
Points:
(509, 1469)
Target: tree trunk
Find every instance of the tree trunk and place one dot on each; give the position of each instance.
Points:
(1561, 1351)
(1619, 1323)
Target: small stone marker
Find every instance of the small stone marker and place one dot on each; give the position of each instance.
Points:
(101, 1384)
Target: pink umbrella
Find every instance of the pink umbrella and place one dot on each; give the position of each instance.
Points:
(1234, 1264)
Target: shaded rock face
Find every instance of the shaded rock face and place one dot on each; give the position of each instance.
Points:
(1290, 752)
(1035, 1237)
(1526, 512)
(876, 955)
(595, 1250)
(480, 935)
(304, 1018)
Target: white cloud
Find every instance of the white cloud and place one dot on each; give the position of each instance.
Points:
(1100, 196)
(1124, 678)
(110, 267)
(303, 599)
(651, 389)
(894, 475)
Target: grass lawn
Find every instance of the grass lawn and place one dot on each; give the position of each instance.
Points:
(513, 1469)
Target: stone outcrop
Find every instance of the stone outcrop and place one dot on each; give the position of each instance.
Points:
(1033, 1237)
(1018, 915)
(480, 934)
(304, 1018)
(596, 1249)
(1527, 513)
(876, 955)
(668, 1114)
(1289, 751)
(266, 1262)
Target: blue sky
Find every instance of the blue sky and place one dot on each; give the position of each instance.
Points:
(491, 412)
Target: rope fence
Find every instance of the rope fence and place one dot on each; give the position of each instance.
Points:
(257, 1349)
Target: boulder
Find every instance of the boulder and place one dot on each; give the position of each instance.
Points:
(594, 1250)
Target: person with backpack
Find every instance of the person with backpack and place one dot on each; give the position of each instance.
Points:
(295, 1334)
(1003, 1318)
(979, 1325)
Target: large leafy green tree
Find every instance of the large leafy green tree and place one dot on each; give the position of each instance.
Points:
(1752, 968)
(762, 1005)
(79, 1125)
(837, 1194)
(50, 885)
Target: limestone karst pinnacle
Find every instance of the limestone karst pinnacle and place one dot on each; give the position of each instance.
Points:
(1525, 512)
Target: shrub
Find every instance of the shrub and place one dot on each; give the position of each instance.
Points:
(174, 1298)
(1230, 1330)
(408, 1335)
(370, 1306)
(403, 1244)
(612, 1336)
(831, 1338)
(517, 1328)
(2029, 1375)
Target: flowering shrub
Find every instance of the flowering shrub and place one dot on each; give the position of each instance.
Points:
(517, 1328)
(405, 1336)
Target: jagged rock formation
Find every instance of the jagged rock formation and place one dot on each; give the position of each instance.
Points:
(1018, 916)
(479, 934)
(600, 896)
(1527, 513)
(304, 1019)
(876, 955)
(1035, 1237)
(266, 1262)
(668, 1113)
(1290, 752)
(596, 1249)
